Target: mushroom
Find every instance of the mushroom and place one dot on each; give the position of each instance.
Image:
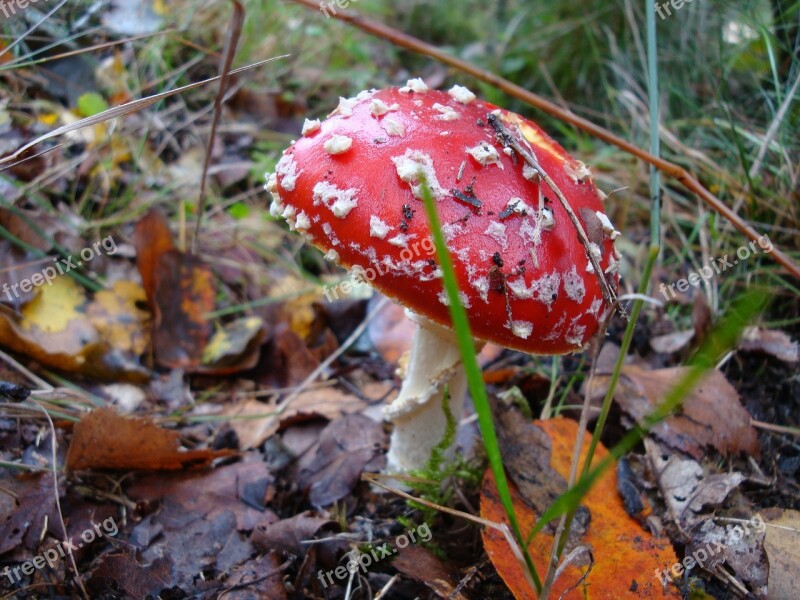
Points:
(352, 186)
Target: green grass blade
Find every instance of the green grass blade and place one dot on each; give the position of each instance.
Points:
(466, 345)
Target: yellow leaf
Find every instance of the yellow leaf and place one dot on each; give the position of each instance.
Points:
(118, 319)
(233, 341)
(54, 306)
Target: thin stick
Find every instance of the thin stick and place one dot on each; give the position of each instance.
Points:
(54, 459)
(34, 378)
(509, 140)
(680, 174)
(775, 428)
(228, 52)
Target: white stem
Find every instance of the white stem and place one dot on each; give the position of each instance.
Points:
(417, 413)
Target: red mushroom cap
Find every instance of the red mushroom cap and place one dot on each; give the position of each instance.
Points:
(349, 184)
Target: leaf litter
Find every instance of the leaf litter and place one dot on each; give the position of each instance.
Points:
(218, 488)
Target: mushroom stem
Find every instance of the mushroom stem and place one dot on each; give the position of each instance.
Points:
(418, 414)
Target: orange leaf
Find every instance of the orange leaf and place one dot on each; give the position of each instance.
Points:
(180, 290)
(152, 239)
(105, 440)
(626, 557)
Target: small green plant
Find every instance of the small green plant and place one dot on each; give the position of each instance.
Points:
(440, 477)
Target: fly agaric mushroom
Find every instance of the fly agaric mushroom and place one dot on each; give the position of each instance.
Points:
(526, 263)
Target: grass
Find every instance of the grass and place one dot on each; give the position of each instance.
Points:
(477, 390)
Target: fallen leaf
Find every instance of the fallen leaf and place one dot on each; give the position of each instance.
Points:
(191, 531)
(153, 239)
(235, 347)
(27, 506)
(325, 402)
(698, 424)
(241, 488)
(526, 456)
(331, 471)
(772, 342)
(291, 536)
(124, 572)
(685, 485)
(731, 551)
(60, 328)
(625, 556)
(782, 545)
(422, 565)
(180, 291)
(116, 316)
(671, 342)
(285, 359)
(636, 504)
(105, 440)
(257, 579)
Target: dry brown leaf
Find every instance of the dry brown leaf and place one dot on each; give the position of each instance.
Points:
(347, 447)
(290, 536)
(526, 456)
(180, 290)
(105, 440)
(711, 416)
(325, 402)
(671, 342)
(732, 550)
(782, 545)
(153, 239)
(685, 485)
(423, 565)
(770, 341)
(27, 505)
(194, 522)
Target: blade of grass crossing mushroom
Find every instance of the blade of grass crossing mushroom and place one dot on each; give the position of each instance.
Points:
(723, 337)
(474, 378)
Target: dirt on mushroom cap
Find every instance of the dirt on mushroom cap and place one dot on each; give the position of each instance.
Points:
(351, 186)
